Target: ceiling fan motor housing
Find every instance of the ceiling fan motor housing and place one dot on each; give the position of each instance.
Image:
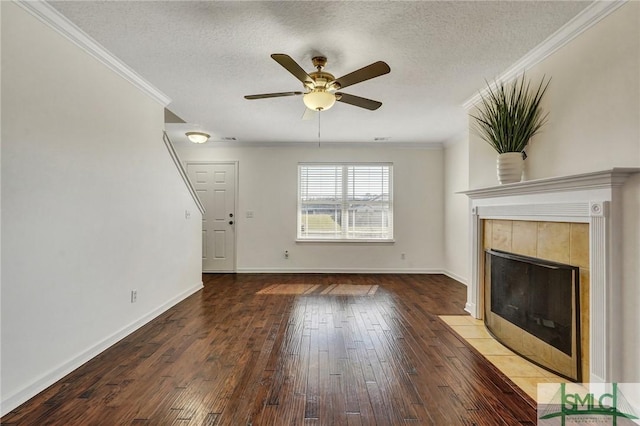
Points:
(319, 62)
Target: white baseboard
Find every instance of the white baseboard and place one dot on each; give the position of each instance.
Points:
(471, 308)
(338, 271)
(58, 373)
(456, 277)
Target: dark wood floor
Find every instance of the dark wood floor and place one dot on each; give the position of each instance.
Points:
(228, 356)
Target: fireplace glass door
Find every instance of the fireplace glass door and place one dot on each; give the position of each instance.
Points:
(532, 306)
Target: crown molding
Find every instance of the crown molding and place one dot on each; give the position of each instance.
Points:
(58, 22)
(370, 145)
(212, 143)
(591, 15)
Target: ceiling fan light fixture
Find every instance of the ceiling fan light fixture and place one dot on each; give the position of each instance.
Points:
(319, 100)
(198, 137)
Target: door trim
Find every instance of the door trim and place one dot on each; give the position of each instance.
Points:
(236, 165)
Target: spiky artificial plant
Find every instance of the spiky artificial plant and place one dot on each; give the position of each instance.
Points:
(510, 115)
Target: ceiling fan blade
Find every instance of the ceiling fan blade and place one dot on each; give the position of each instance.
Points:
(309, 114)
(272, 95)
(370, 71)
(358, 101)
(292, 66)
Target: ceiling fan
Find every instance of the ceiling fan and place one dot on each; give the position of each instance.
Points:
(322, 88)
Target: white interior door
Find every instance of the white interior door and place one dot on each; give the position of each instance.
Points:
(215, 184)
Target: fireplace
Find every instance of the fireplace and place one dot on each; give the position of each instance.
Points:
(593, 199)
(532, 306)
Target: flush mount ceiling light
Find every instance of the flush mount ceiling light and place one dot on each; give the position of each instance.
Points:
(197, 137)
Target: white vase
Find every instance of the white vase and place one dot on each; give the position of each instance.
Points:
(510, 166)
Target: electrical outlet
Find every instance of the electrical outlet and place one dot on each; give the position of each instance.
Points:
(286, 254)
(187, 214)
(403, 256)
(134, 296)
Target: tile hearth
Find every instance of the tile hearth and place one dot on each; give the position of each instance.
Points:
(523, 373)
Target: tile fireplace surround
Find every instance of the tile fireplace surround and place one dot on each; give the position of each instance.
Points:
(592, 198)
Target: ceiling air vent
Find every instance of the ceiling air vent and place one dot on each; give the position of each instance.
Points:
(229, 138)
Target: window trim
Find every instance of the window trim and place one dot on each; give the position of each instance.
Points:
(299, 203)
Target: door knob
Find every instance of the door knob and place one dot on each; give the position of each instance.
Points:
(230, 222)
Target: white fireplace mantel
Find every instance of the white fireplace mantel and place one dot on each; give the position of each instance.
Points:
(593, 198)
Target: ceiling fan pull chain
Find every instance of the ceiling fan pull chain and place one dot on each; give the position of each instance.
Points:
(319, 114)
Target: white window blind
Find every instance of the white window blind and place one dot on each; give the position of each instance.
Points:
(345, 201)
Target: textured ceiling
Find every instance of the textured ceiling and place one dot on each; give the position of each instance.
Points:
(207, 55)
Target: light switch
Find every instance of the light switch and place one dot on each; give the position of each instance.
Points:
(249, 214)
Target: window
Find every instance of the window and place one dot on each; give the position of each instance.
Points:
(345, 202)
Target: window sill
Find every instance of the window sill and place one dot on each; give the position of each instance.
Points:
(332, 241)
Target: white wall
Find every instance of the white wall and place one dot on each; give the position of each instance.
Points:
(0, 217)
(594, 124)
(268, 187)
(92, 208)
(593, 102)
(456, 209)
